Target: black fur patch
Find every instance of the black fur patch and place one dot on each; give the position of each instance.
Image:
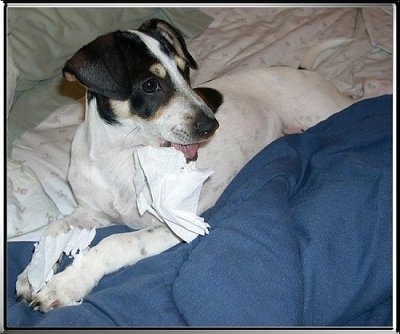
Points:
(138, 59)
(211, 97)
(115, 66)
(145, 104)
(105, 110)
(103, 106)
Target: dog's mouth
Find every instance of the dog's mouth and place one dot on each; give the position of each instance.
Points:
(189, 150)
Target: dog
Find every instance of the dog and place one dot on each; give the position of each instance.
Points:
(139, 94)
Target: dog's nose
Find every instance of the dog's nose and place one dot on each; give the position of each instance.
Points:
(205, 127)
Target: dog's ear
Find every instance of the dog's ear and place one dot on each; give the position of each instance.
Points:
(173, 36)
(100, 66)
(210, 96)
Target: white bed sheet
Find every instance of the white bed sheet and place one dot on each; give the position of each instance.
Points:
(237, 39)
(243, 38)
(40, 161)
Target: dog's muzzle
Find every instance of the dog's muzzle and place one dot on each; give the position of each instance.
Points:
(204, 128)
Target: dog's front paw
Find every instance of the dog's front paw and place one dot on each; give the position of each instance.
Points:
(23, 287)
(61, 291)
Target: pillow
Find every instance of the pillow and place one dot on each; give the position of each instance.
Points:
(12, 76)
(44, 38)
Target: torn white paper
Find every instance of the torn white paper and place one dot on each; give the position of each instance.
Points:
(49, 249)
(169, 188)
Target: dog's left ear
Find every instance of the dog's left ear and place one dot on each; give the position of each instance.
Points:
(173, 36)
(210, 96)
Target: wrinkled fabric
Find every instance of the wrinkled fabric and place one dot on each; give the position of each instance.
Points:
(301, 237)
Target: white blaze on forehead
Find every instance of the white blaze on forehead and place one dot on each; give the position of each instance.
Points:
(154, 46)
(171, 67)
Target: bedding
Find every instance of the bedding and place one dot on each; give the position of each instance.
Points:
(243, 262)
(301, 237)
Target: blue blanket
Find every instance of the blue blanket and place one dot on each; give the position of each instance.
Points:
(302, 236)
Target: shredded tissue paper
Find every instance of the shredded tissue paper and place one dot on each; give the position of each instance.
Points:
(169, 188)
(49, 249)
(166, 187)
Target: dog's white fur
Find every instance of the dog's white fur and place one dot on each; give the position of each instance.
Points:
(259, 106)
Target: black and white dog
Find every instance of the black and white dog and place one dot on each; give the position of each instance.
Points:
(138, 93)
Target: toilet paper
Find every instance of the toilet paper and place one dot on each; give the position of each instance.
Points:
(169, 188)
(49, 249)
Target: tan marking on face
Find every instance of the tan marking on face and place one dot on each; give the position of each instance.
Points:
(121, 108)
(158, 70)
(181, 63)
(173, 112)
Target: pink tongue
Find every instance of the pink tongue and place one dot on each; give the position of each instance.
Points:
(190, 151)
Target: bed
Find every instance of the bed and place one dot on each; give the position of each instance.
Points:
(303, 236)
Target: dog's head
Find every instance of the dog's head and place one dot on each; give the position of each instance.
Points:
(141, 77)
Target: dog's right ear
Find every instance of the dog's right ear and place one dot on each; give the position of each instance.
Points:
(100, 66)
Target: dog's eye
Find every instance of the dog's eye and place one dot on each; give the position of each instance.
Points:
(151, 86)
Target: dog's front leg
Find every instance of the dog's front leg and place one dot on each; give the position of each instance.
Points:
(112, 253)
(45, 264)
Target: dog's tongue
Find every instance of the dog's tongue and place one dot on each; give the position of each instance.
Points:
(190, 151)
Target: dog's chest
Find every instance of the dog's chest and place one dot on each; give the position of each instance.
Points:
(106, 185)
